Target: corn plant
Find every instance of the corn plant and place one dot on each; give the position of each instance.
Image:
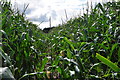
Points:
(85, 47)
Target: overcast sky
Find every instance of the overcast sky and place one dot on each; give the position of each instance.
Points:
(41, 10)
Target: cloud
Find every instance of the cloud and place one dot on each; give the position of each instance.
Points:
(42, 10)
(41, 18)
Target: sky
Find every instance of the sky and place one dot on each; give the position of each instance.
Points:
(41, 11)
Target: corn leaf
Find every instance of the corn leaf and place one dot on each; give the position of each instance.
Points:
(108, 62)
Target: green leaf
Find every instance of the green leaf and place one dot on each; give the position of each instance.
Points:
(80, 63)
(108, 62)
(69, 42)
(69, 54)
(43, 63)
(44, 54)
(113, 47)
(119, 54)
(101, 7)
(4, 33)
(96, 64)
(5, 56)
(56, 61)
(30, 74)
(82, 44)
(59, 70)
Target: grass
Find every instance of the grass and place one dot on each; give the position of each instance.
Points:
(74, 50)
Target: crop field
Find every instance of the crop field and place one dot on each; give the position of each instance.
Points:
(84, 48)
